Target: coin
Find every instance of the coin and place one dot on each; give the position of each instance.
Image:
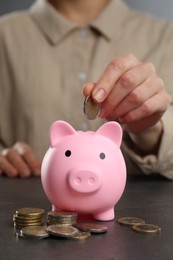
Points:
(130, 221)
(27, 220)
(34, 232)
(146, 228)
(62, 214)
(28, 223)
(30, 212)
(81, 235)
(90, 108)
(62, 230)
(61, 217)
(60, 221)
(92, 227)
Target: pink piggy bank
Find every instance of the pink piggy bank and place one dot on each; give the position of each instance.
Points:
(84, 171)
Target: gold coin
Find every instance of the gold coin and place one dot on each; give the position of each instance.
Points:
(32, 212)
(21, 218)
(62, 230)
(146, 228)
(130, 221)
(26, 220)
(34, 231)
(92, 227)
(90, 108)
(81, 235)
(28, 217)
(21, 225)
(29, 223)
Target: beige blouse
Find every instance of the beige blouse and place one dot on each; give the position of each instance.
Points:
(46, 59)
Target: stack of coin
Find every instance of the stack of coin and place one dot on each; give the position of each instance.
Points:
(28, 217)
(61, 217)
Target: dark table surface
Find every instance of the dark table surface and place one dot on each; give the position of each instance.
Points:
(149, 198)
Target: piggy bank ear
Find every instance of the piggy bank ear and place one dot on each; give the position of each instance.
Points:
(59, 130)
(111, 130)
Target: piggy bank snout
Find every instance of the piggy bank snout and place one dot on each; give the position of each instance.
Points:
(84, 181)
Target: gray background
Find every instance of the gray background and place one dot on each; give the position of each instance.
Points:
(160, 8)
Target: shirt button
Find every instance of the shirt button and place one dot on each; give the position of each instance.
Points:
(82, 76)
(84, 126)
(84, 32)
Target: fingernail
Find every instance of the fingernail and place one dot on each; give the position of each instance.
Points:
(99, 95)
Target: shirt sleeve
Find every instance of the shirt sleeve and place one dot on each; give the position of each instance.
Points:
(151, 164)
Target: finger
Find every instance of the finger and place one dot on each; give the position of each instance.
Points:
(156, 104)
(29, 157)
(87, 89)
(127, 83)
(111, 75)
(7, 168)
(17, 161)
(138, 96)
(33, 162)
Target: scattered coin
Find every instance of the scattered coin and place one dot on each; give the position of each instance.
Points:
(34, 232)
(146, 228)
(62, 230)
(92, 227)
(130, 221)
(90, 108)
(81, 235)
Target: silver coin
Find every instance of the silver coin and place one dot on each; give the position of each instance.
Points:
(92, 227)
(62, 230)
(81, 235)
(58, 221)
(62, 214)
(90, 108)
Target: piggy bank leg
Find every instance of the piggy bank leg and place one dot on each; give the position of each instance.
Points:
(54, 208)
(105, 215)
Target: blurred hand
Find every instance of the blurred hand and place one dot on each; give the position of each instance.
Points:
(130, 92)
(19, 160)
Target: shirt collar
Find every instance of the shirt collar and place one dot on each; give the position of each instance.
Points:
(56, 27)
(109, 21)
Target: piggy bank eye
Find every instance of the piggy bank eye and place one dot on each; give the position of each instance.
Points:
(67, 153)
(102, 156)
